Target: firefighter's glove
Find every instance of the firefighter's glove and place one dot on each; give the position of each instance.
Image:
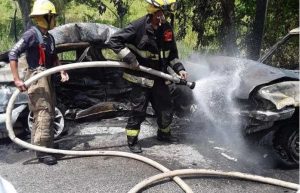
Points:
(132, 61)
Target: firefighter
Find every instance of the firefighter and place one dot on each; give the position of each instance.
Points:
(149, 41)
(39, 47)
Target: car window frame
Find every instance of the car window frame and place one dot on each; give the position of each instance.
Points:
(282, 41)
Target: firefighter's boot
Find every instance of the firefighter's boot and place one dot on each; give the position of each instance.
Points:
(166, 137)
(133, 145)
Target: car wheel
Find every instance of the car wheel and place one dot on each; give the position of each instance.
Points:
(59, 123)
(286, 144)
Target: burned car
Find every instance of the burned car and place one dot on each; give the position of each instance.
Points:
(239, 95)
(6, 89)
(90, 94)
(265, 98)
(284, 95)
(259, 97)
(86, 87)
(276, 56)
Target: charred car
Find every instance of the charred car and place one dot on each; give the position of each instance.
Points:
(259, 97)
(268, 96)
(90, 93)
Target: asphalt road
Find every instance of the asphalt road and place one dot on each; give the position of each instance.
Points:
(199, 147)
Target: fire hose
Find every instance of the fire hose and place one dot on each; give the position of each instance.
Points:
(166, 172)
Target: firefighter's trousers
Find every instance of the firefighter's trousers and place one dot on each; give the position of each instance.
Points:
(160, 98)
(41, 103)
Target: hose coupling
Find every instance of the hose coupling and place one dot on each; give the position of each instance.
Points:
(191, 85)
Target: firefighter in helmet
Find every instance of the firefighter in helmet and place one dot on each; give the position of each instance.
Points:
(149, 41)
(39, 47)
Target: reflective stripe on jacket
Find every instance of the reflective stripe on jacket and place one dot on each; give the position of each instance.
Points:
(145, 82)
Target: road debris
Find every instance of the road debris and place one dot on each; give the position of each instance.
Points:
(229, 157)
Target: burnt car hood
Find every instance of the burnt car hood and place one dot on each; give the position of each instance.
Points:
(76, 35)
(5, 72)
(251, 73)
(92, 33)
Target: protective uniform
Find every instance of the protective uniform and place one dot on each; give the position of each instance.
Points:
(40, 54)
(139, 42)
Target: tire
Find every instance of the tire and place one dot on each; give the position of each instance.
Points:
(59, 123)
(286, 144)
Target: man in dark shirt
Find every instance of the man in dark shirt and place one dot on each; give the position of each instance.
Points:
(39, 47)
(149, 41)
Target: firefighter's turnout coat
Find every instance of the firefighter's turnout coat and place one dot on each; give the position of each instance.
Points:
(151, 48)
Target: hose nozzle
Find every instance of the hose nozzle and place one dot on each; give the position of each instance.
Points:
(191, 85)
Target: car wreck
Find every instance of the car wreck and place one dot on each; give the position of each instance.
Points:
(265, 100)
(268, 97)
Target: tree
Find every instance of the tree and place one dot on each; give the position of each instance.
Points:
(121, 8)
(229, 44)
(182, 15)
(256, 36)
(213, 21)
(25, 7)
(282, 17)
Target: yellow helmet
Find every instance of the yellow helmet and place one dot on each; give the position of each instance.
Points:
(164, 5)
(42, 7)
(43, 13)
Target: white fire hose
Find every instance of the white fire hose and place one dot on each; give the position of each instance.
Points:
(207, 172)
(167, 172)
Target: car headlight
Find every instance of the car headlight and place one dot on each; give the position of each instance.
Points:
(281, 94)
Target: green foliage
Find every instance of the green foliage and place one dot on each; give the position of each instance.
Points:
(206, 19)
(67, 56)
(199, 24)
(282, 16)
(7, 11)
(202, 18)
(88, 11)
(118, 9)
(75, 12)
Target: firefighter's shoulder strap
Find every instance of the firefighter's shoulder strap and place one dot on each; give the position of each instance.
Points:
(39, 36)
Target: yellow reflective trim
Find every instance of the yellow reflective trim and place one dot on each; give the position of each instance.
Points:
(142, 53)
(132, 133)
(138, 80)
(164, 54)
(165, 130)
(123, 52)
(167, 53)
(130, 77)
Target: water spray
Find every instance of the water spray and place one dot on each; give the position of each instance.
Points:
(166, 172)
